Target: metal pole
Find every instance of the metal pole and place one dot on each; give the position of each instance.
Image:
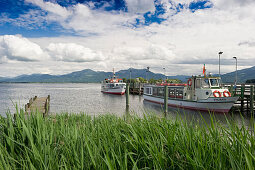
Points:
(219, 61)
(219, 65)
(242, 98)
(164, 73)
(165, 99)
(127, 98)
(252, 100)
(236, 71)
(130, 75)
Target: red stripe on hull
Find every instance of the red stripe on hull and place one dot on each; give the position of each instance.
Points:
(117, 93)
(193, 108)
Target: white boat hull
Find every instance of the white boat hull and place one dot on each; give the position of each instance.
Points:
(220, 105)
(119, 90)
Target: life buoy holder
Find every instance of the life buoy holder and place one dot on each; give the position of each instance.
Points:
(216, 92)
(189, 82)
(226, 93)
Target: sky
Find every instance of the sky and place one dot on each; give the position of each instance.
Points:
(62, 36)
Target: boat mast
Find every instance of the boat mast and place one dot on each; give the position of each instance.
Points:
(113, 73)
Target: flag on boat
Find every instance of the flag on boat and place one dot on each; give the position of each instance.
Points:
(204, 70)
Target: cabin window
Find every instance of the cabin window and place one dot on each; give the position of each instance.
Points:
(160, 91)
(205, 83)
(179, 93)
(172, 93)
(214, 82)
(155, 91)
(150, 90)
(147, 90)
(198, 83)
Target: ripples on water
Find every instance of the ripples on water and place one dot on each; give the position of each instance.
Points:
(87, 98)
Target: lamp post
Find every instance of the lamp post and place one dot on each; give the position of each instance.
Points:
(219, 61)
(236, 70)
(130, 75)
(148, 69)
(164, 73)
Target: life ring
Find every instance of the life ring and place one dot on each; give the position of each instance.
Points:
(226, 93)
(189, 82)
(217, 92)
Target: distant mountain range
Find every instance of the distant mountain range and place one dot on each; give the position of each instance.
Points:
(87, 76)
(90, 76)
(242, 75)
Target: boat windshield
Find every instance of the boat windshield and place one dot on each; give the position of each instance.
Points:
(214, 82)
(205, 83)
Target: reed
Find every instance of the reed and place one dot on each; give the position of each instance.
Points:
(79, 141)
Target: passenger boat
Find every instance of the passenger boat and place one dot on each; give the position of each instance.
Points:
(113, 85)
(200, 93)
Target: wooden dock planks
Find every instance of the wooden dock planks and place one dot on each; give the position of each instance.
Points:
(39, 104)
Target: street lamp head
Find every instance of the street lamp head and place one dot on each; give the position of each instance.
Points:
(220, 52)
(235, 58)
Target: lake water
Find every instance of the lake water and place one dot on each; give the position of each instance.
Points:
(87, 98)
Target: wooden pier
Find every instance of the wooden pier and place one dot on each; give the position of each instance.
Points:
(245, 103)
(39, 104)
(136, 88)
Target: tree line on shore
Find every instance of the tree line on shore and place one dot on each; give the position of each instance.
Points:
(151, 81)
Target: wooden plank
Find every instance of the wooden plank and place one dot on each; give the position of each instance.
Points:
(38, 104)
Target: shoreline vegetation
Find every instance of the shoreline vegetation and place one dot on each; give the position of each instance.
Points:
(80, 141)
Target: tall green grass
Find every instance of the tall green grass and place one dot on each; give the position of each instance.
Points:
(79, 141)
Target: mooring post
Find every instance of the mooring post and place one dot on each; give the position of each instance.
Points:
(165, 99)
(231, 90)
(242, 98)
(140, 89)
(252, 100)
(127, 98)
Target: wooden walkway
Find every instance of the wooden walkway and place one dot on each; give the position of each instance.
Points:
(39, 104)
(136, 88)
(245, 103)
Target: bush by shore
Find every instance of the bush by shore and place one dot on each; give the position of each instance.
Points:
(79, 141)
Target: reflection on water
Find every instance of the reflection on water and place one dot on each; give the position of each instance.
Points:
(87, 98)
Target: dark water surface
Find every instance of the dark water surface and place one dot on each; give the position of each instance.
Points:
(87, 98)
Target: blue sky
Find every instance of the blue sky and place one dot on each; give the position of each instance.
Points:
(179, 35)
(13, 9)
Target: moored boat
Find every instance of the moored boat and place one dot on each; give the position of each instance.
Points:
(200, 93)
(113, 85)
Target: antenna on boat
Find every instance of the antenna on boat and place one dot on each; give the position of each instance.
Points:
(113, 73)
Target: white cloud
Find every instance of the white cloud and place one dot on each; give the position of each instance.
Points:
(71, 52)
(140, 6)
(182, 43)
(19, 48)
(51, 7)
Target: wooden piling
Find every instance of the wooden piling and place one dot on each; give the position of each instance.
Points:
(165, 99)
(140, 89)
(127, 98)
(242, 97)
(231, 90)
(252, 100)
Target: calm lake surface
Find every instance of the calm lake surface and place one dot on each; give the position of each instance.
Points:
(87, 98)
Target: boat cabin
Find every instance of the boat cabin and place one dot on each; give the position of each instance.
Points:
(197, 88)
